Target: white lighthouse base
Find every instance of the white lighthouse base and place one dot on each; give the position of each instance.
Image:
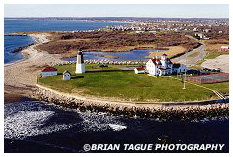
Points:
(80, 69)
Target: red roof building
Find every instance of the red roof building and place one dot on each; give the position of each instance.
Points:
(139, 69)
(224, 49)
(49, 69)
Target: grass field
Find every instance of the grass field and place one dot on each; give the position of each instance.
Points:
(171, 52)
(213, 50)
(213, 55)
(129, 86)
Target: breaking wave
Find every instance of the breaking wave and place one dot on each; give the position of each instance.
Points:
(100, 122)
(32, 118)
(30, 123)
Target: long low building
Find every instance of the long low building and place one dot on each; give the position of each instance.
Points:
(49, 71)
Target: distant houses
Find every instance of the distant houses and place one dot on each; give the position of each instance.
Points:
(224, 49)
(201, 36)
(49, 71)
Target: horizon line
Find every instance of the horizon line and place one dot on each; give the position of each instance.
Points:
(123, 17)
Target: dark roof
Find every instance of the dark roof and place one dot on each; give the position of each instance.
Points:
(80, 52)
(156, 60)
(169, 61)
(164, 68)
(66, 71)
(164, 54)
(176, 65)
(49, 69)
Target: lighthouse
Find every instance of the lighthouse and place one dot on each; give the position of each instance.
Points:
(80, 63)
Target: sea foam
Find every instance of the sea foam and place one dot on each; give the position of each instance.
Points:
(30, 123)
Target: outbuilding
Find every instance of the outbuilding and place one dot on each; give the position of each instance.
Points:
(139, 70)
(66, 75)
(224, 49)
(49, 71)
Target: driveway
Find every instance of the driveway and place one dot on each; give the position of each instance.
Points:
(191, 61)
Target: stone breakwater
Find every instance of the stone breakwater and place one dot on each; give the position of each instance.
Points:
(158, 112)
(102, 61)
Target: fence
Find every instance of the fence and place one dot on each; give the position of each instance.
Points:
(211, 78)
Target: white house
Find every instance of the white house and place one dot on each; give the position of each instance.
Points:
(200, 35)
(139, 70)
(160, 66)
(49, 71)
(66, 75)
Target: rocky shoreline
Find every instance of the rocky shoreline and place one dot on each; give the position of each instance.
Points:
(158, 112)
(103, 61)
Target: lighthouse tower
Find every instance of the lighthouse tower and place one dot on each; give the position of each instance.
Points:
(80, 63)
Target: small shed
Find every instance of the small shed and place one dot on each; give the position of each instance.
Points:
(224, 49)
(66, 75)
(139, 70)
(49, 71)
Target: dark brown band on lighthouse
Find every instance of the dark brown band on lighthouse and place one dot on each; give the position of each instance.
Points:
(80, 59)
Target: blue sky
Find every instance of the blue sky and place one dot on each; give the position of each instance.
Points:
(118, 10)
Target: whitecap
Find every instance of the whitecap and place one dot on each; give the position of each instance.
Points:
(30, 123)
(100, 122)
(116, 127)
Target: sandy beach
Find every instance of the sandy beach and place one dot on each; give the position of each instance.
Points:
(20, 77)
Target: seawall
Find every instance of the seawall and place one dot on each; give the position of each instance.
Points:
(150, 111)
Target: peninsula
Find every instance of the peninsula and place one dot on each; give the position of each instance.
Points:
(112, 83)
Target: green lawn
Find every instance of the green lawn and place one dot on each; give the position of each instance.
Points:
(128, 86)
(92, 67)
(213, 50)
(212, 55)
(222, 86)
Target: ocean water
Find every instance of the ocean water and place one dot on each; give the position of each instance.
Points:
(11, 26)
(33, 126)
(11, 43)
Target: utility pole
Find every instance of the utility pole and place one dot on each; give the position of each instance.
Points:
(184, 78)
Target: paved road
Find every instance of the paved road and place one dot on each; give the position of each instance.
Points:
(190, 61)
